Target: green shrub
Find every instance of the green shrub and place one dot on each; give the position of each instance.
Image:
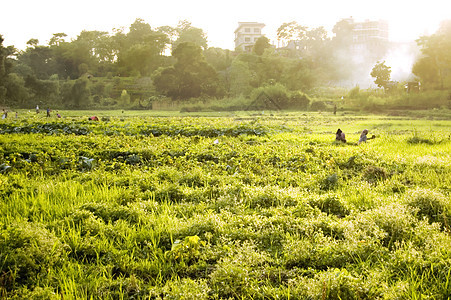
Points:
(26, 252)
(330, 204)
(110, 212)
(421, 140)
(38, 293)
(391, 223)
(269, 97)
(318, 106)
(354, 92)
(341, 284)
(330, 182)
(186, 288)
(374, 174)
(237, 274)
(298, 100)
(430, 204)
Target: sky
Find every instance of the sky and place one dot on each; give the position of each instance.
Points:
(22, 20)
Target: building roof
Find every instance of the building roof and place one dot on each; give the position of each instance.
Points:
(251, 24)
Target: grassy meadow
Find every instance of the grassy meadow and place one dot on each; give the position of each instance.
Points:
(262, 205)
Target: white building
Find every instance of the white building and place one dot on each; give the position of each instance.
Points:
(370, 38)
(247, 34)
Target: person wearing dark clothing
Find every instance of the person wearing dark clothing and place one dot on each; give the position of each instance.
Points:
(340, 136)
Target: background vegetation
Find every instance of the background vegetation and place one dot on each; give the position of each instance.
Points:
(173, 68)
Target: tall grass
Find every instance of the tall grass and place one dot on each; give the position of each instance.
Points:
(260, 207)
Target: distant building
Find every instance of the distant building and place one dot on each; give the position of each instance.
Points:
(247, 34)
(369, 37)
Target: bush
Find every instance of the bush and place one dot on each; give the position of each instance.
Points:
(373, 174)
(299, 100)
(330, 182)
(391, 223)
(330, 204)
(186, 288)
(430, 204)
(269, 97)
(26, 252)
(318, 106)
(237, 274)
(425, 100)
(354, 92)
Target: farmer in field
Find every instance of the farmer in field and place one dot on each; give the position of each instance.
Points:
(48, 112)
(37, 109)
(363, 136)
(340, 136)
(93, 118)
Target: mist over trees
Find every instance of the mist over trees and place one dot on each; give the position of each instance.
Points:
(129, 67)
(434, 66)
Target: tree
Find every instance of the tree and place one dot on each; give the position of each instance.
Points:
(16, 92)
(289, 32)
(5, 60)
(43, 91)
(260, 45)
(381, 73)
(40, 60)
(240, 79)
(141, 49)
(187, 33)
(33, 42)
(80, 93)
(3, 56)
(190, 77)
(344, 66)
(57, 39)
(219, 58)
(434, 66)
(426, 69)
(343, 33)
(298, 75)
(8, 84)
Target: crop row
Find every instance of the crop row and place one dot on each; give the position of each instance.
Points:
(78, 127)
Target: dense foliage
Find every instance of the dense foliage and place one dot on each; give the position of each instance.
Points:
(265, 207)
(141, 67)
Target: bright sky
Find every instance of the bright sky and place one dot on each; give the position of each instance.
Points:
(22, 20)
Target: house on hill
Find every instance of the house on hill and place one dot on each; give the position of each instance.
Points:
(247, 34)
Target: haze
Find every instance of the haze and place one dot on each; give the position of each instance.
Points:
(24, 20)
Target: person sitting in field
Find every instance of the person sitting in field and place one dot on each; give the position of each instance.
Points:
(363, 136)
(93, 118)
(340, 136)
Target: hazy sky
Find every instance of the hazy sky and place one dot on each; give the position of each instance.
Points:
(22, 20)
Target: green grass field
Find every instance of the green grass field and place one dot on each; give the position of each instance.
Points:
(250, 205)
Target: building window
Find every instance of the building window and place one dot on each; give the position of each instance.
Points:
(256, 30)
(255, 39)
(247, 39)
(247, 30)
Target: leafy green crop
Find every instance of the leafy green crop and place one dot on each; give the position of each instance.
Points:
(219, 208)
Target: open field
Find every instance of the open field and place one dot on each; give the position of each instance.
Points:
(236, 205)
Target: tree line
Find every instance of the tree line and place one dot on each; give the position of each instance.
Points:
(140, 64)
